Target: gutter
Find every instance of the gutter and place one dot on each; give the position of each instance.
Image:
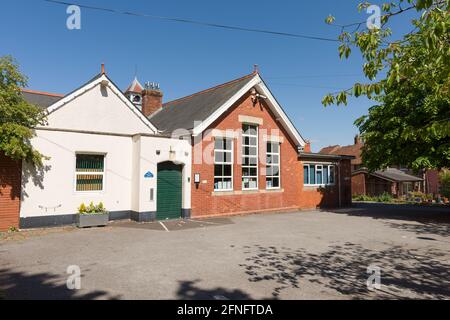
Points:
(310, 155)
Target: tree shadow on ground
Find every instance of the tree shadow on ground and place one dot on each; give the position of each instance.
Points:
(42, 286)
(432, 220)
(423, 228)
(404, 273)
(408, 212)
(189, 290)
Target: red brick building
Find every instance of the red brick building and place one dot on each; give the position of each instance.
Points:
(247, 155)
(241, 154)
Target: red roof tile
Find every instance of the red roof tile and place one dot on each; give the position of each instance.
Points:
(351, 150)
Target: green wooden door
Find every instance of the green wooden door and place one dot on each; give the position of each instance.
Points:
(168, 199)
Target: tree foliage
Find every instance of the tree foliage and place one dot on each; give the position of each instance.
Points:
(17, 117)
(410, 123)
(444, 179)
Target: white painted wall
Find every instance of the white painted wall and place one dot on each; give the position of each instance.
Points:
(58, 183)
(149, 160)
(98, 109)
(98, 120)
(127, 160)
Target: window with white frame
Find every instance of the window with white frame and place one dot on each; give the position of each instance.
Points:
(318, 174)
(249, 157)
(90, 172)
(223, 164)
(273, 165)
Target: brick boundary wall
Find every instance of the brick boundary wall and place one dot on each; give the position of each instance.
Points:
(10, 189)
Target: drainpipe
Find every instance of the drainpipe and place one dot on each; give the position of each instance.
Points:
(339, 182)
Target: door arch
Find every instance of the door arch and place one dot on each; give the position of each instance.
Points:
(169, 191)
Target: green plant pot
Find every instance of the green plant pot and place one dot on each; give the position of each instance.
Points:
(92, 220)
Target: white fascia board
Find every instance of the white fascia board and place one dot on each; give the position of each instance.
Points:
(259, 84)
(114, 89)
(216, 114)
(286, 122)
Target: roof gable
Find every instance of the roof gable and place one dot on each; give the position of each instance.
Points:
(198, 111)
(184, 112)
(135, 86)
(97, 102)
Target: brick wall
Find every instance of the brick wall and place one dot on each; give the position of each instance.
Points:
(206, 202)
(376, 186)
(328, 197)
(432, 182)
(151, 101)
(10, 184)
(359, 184)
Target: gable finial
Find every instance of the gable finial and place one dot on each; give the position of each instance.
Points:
(103, 68)
(255, 69)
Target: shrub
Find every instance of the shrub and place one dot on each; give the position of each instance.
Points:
(100, 208)
(419, 196)
(13, 229)
(385, 197)
(82, 208)
(362, 197)
(92, 209)
(444, 179)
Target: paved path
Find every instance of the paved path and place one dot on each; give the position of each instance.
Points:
(304, 255)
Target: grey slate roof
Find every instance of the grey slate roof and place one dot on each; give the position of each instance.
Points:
(40, 99)
(397, 175)
(183, 112)
(44, 100)
(393, 174)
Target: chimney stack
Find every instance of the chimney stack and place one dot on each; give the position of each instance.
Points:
(151, 99)
(307, 148)
(357, 139)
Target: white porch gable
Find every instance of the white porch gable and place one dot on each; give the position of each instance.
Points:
(98, 106)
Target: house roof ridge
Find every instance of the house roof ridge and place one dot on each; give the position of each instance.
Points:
(42, 93)
(331, 146)
(212, 88)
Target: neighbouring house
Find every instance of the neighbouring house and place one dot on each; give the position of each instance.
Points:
(230, 149)
(397, 181)
(353, 150)
(390, 180)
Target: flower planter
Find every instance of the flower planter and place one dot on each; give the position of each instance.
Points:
(92, 220)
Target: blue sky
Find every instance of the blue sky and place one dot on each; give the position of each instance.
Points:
(188, 58)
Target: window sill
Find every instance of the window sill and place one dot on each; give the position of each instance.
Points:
(245, 192)
(317, 186)
(89, 192)
(273, 190)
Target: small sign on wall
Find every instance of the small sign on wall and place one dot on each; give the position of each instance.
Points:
(148, 175)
